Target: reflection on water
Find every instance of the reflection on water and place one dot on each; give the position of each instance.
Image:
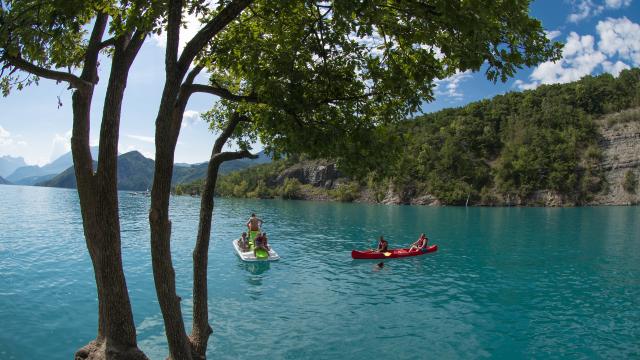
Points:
(254, 267)
(505, 282)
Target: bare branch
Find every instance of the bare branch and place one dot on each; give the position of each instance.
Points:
(192, 74)
(228, 131)
(73, 80)
(219, 158)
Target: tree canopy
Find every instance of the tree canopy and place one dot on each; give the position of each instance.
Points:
(336, 70)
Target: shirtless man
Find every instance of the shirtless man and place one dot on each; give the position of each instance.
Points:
(254, 224)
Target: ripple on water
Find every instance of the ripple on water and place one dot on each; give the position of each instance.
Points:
(505, 283)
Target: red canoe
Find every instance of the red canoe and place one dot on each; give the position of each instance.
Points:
(395, 253)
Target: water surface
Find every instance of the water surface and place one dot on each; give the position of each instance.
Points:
(506, 282)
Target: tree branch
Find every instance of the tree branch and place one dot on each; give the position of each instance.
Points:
(184, 94)
(90, 66)
(219, 158)
(192, 74)
(107, 43)
(73, 80)
(195, 45)
(137, 39)
(173, 33)
(228, 131)
(221, 92)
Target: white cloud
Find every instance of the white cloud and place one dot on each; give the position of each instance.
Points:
(190, 117)
(620, 37)
(616, 68)
(14, 145)
(5, 137)
(60, 145)
(616, 4)
(584, 9)
(552, 34)
(449, 86)
(619, 46)
(146, 139)
(519, 84)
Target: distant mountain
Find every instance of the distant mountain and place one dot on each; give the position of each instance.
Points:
(186, 175)
(20, 175)
(3, 181)
(135, 172)
(32, 180)
(25, 172)
(9, 164)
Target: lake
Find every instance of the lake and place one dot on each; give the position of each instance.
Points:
(505, 283)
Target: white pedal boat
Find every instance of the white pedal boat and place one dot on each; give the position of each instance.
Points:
(250, 256)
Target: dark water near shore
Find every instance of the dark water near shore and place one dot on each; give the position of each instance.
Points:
(506, 282)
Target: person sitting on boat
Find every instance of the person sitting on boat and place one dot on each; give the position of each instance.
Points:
(244, 242)
(261, 243)
(383, 245)
(420, 244)
(254, 224)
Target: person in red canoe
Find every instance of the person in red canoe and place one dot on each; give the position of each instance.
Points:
(420, 244)
(383, 245)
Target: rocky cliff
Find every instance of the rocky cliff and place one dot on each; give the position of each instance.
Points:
(319, 173)
(620, 144)
(619, 164)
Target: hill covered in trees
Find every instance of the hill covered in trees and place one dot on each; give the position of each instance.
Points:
(135, 172)
(518, 148)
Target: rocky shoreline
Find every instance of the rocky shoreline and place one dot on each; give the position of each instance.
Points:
(619, 145)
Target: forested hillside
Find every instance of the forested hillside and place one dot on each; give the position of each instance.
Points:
(505, 150)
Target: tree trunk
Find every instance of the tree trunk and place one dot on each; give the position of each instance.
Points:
(201, 329)
(163, 272)
(99, 207)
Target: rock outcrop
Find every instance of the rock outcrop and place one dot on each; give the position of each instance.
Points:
(620, 144)
(319, 173)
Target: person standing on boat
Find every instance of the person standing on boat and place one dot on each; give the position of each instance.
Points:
(254, 224)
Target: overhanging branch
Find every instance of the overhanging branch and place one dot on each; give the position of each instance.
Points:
(232, 155)
(73, 80)
(221, 92)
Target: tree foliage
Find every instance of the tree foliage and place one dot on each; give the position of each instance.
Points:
(321, 77)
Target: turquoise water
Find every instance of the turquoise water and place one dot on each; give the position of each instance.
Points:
(506, 283)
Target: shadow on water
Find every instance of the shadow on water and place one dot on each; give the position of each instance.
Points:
(254, 267)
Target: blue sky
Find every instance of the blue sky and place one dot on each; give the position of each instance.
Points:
(600, 36)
